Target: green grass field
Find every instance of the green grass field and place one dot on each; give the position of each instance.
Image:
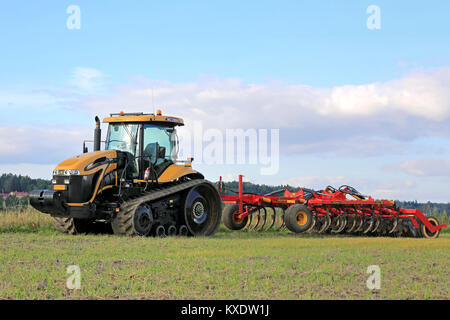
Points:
(231, 265)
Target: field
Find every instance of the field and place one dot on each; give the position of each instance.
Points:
(231, 265)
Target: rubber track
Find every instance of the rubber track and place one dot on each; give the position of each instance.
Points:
(123, 223)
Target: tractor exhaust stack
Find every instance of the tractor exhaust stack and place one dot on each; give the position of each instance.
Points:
(97, 134)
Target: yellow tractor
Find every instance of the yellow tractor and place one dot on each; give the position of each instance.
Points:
(136, 186)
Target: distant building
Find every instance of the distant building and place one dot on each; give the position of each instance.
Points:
(19, 194)
(14, 193)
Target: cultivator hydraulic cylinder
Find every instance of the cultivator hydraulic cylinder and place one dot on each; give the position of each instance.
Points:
(336, 211)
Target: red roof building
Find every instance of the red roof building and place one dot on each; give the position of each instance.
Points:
(15, 193)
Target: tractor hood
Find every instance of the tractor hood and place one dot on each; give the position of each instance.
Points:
(85, 162)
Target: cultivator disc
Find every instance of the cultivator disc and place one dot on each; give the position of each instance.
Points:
(266, 219)
(333, 211)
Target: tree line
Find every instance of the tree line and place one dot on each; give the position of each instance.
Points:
(11, 183)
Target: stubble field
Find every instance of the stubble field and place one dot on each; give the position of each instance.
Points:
(231, 265)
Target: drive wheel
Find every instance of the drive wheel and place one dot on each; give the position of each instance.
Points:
(202, 210)
(298, 218)
(133, 222)
(230, 218)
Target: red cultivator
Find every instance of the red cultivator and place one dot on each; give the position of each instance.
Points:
(325, 211)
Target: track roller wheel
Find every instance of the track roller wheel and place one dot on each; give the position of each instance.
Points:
(298, 218)
(426, 233)
(230, 218)
(172, 231)
(183, 231)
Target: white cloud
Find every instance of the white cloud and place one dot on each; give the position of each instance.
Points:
(40, 145)
(374, 119)
(426, 167)
(87, 79)
(422, 94)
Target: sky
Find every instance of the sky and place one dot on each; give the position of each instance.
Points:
(357, 105)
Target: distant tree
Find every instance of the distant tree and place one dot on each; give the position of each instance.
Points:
(12, 201)
(10, 183)
(24, 201)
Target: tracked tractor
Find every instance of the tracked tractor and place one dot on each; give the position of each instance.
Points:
(135, 186)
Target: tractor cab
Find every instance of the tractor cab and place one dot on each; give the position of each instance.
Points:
(150, 141)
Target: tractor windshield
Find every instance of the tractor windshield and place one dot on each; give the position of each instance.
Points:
(122, 137)
(164, 137)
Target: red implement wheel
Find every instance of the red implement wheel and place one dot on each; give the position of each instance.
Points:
(230, 218)
(426, 233)
(298, 218)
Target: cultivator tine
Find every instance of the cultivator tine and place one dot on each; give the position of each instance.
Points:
(353, 221)
(249, 222)
(274, 216)
(257, 217)
(352, 226)
(412, 230)
(395, 224)
(258, 220)
(377, 224)
(384, 227)
(360, 223)
(326, 223)
(370, 224)
(282, 225)
(335, 224)
(264, 221)
(314, 217)
(343, 223)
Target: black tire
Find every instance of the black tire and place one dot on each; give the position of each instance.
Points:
(133, 221)
(202, 210)
(80, 226)
(229, 218)
(424, 232)
(298, 218)
(64, 225)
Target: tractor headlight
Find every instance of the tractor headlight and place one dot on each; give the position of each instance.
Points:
(66, 172)
(71, 172)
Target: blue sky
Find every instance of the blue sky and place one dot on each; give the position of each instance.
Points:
(353, 105)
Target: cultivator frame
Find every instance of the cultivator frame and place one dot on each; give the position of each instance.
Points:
(325, 211)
